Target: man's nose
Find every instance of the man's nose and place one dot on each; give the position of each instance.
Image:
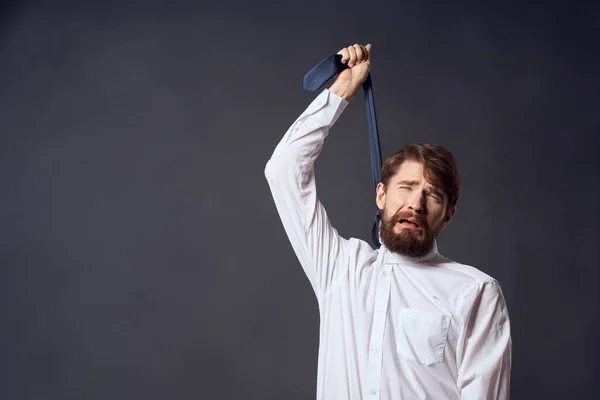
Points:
(417, 201)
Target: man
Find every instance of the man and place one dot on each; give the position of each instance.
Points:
(402, 321)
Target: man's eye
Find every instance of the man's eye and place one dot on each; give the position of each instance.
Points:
(405, 187)
(435, 197)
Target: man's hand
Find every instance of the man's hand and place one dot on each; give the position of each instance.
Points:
(347, 83)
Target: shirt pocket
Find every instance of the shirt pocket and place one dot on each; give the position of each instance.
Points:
(421, 335)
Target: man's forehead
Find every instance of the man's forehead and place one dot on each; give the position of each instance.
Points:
(410, 170)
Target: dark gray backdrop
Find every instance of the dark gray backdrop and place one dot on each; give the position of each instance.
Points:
(141, 256)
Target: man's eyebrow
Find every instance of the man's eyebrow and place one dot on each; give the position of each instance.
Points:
(408, 183)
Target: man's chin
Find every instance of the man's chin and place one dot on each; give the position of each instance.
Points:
(410, 248)
(407, 242)
(401, 231)
(406, 239)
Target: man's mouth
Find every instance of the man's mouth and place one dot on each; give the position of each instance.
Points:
(408, 223)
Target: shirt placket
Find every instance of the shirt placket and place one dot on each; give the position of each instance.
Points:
(382, 296)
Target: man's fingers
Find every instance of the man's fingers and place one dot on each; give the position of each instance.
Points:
(366, 54)
(344, 54)
(360, 54)
(352, 52)
(355, 54)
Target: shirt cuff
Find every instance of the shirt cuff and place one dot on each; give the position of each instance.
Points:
(328, 105)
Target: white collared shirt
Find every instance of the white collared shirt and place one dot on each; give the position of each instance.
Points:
(392, 327)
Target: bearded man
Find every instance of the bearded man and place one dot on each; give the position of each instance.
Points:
(398, 322)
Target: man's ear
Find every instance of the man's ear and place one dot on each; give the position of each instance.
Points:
(449, 214)
(380, 196)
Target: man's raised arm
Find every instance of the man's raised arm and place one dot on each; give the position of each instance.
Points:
(291, 178)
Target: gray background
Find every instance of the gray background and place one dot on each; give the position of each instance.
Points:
(141, 256)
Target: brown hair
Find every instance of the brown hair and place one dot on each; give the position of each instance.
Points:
(439, 167)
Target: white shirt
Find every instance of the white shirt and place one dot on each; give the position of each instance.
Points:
(392, 327)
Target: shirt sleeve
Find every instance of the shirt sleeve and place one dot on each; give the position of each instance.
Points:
(485, 345)
(291, 178)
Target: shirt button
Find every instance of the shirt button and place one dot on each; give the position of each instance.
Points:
(385, 273)
(380, 309)
(376, 350)
(373, 392)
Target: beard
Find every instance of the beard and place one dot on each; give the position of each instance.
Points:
(408, 242)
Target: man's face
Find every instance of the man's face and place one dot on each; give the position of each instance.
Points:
(414, 211)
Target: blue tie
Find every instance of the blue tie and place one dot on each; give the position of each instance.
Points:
(314, 80)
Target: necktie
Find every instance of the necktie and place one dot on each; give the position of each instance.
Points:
(315, 79)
